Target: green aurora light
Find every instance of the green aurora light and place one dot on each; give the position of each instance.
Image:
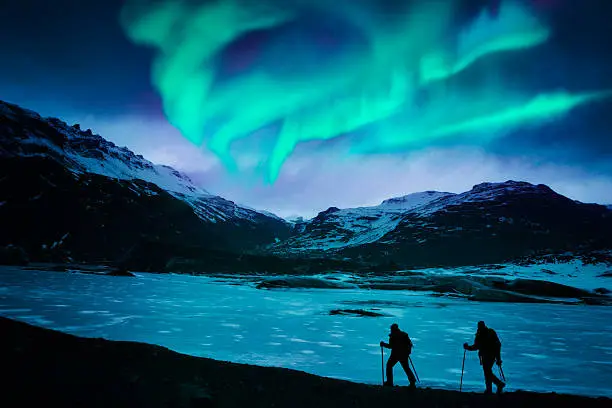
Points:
(372, 86)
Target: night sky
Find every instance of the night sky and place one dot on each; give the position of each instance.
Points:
(294, 106)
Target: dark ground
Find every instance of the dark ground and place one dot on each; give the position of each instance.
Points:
(48, 368)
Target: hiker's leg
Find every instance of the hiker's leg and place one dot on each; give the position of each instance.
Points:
(495, 379)
(487, 367)
(408, 371)
(390, 364)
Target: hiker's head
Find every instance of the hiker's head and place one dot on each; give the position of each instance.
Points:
(481, 325)
(394, 328)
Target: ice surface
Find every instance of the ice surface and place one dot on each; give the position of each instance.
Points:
(572, 273)
(545, 347)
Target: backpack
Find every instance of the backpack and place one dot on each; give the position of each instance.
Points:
(494, 341)
(408, 342)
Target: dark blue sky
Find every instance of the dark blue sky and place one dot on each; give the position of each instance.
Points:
(71, 54)
(71, 58)
(75, 52)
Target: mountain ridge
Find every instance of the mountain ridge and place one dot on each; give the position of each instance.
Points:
(86, 152)
(424, 234)
(74, 191)
(68, 190)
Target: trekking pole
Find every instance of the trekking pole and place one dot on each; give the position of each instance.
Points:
(415, 372)
(501, 372)
(462, 367)
(382, 364)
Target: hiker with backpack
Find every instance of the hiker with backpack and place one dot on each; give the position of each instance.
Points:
(401, 348)
(489, 351)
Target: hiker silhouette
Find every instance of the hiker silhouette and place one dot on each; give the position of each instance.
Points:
(401, 347)
(489, 351)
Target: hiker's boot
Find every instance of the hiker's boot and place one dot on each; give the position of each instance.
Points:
(388, 384)
(412, 386)
(500, 387)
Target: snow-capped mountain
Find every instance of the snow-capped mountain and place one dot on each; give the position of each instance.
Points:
(27, 134)
(68, 191)
(335, 228)
(58, 180)
(490, 223)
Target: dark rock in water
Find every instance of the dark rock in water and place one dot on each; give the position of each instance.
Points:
(356, 312)
(606, 274)
(602, 291)
(374, 303)
(303, 283)
(393, 286)
(492, 266)
(542, 288)
(495, 295)
(13, 255)
(120, 272)
(597, 301)
(548, 271)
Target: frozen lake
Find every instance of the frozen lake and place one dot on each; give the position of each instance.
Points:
(545, 347)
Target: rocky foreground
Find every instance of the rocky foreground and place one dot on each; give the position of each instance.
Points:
(50, 368)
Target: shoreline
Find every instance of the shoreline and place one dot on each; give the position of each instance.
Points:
(46, 366)
(470, 284)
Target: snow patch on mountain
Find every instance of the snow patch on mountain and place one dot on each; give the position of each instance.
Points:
(264, 212)
(411, 201)
(97, 155)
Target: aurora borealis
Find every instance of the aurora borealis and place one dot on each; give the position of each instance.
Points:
(318, 71)
(297, 105)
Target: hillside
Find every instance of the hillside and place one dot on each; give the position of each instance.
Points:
(55, 369)
(68, 194)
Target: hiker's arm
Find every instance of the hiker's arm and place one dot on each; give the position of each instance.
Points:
(473, 347)
(385, 345)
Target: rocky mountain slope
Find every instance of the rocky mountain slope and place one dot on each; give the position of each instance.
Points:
(70, 192)
(493, 222)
